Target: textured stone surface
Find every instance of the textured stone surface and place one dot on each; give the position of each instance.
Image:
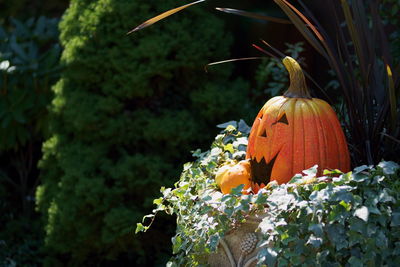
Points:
(239, 243)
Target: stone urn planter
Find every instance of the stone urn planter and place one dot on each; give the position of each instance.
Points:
(238, 247)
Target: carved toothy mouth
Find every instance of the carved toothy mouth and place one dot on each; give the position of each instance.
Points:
(261, 171)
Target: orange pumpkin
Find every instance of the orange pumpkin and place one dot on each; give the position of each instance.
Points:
(231, 176)
(294, 132)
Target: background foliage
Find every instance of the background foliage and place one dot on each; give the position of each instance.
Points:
(126, 111)
(271, 76)
(29, 55)
(25, 9)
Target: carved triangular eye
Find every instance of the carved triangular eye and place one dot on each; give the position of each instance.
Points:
(264, 134)
(283, 119)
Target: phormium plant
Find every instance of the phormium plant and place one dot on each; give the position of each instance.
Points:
(358, 52)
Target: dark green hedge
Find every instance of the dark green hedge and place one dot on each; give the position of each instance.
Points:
(127, 111)
(25, 9)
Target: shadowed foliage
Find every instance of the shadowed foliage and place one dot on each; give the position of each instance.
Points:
(127, 111)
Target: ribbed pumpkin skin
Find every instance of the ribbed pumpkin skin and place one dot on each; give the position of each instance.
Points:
(293, 134)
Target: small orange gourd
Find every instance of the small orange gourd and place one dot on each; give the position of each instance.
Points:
(294, 132)
(231, 176)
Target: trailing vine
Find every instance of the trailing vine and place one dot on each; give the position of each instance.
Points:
(339, 219)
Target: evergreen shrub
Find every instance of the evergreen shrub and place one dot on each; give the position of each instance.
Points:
(126, 111)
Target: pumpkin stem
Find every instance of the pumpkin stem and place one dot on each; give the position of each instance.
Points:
(297, 88)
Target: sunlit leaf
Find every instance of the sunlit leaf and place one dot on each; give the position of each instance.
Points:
(140, 228)
(253, 15)
(162, 16)
(303, 25)
(231, 60)
(392, 97)
(389, 167)
(315, 241)
(243, 128)
(264, 51)
(226, 124)
(362, 213)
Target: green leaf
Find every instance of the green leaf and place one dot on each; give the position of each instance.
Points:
(312, 172)
(374, 210)
(176, 244)
(266, 226)
(158, 201)
(19, 50)
(361, 168)
(296, 179)
(342, 193)
(237, 191)
(322, 195)
(378, 179)
(229, 148)
(226, 124)
(315, 241)
(395, 219)
(381, 240)
(384, 196)
(4, 65)
(172, 264)
(213, 241)
(260, 198)
(140, 228)
(355, 262)
(389, 167)
(316, 228)
(360, 177)
(397, 248)
(355, 238)
(337, 235)
(268, 256)
(282, 262)
(332, 172)
(346, 205)
(243, 128)
(362, 213)
(358, 225)
(321, 256)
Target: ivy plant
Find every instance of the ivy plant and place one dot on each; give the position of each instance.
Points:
(339, 219)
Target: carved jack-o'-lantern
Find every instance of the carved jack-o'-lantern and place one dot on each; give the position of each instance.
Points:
(294, 132)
